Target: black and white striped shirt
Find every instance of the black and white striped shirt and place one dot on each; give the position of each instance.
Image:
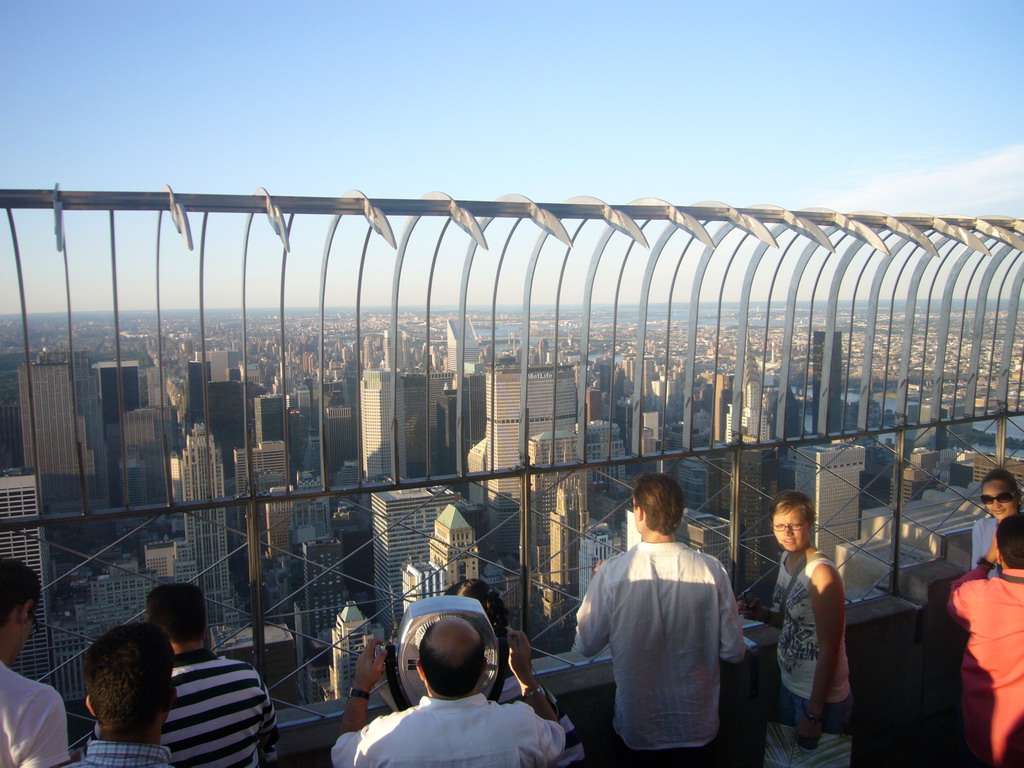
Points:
(222, 711)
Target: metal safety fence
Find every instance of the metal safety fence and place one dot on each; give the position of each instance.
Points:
(318, 421)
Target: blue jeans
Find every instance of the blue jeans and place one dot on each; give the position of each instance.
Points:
(834, 717)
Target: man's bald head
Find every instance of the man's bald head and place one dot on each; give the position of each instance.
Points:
(452, 657)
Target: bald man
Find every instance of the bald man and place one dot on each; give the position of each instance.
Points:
(452, 725)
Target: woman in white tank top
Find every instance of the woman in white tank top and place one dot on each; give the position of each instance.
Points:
(809, 606)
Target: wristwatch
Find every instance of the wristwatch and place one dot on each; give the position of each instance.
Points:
(812, 718)
(983, 563)
(355, 693)
(532, 690)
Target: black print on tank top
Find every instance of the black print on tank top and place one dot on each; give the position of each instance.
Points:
(798, 641)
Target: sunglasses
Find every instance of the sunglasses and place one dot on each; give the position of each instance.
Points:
(1002, 498)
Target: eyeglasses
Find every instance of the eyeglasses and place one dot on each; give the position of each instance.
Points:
(35, 626)
(791, 527)
(1002, 498)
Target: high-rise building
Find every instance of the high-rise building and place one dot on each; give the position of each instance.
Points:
(349, 637)
(604, 441)
(223, 364)
(708, 534)
(195, 402)
(551, 403)
(56, 392)
(413, 424)
(376, 422)
(420, 581)
(290, 523)
(472, 347)
(723, 396)
(340, 426)
(559, 504)
(268, 412)
(830, 475)
(12, 450)
(835, 387)
(378, 425)
(111, 412)
(199, 474)
(17, 499)
(268, 467)
(147, 431)
(227, 421)
(323, 590)
(453, 548)
(403, 522)
(597, 544)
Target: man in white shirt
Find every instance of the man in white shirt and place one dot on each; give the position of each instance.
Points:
(452, 725)
(668, 615)
(33, 724)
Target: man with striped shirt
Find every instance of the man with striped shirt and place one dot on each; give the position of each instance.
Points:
(223, 711)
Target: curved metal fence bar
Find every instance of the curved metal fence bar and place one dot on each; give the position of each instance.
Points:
(875, 361)
(1008, 339)
(1011, 319)
(691, 328)
(994, 263)
(739, 391)
(782, 420)
(852, 250)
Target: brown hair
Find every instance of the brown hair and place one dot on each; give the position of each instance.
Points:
(661, 498)
(795, 501)
(1010, 540)
(1002, 475)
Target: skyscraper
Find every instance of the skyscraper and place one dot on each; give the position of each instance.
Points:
(340, 444)
(146, 430)
(500, 448)
(834, 394)
(376, 423)
(559, 504)
(453, 548)
(56, 396)
(403, 522)
(472, 344)
(199, 474)
(111, 413)
(830, 474)
(268, 411)
(18, 498)
(195, 404)
(723, 396)
(378, 426)
(351, 632)
(267, 467)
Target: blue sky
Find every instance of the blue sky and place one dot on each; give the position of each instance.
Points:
(787, 103)
(895, 106)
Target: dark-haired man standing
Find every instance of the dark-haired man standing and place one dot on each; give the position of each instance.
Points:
(452, 725)
(128, 689)
(993, 667)
(669, 616)
(33, 724)
(223, 711)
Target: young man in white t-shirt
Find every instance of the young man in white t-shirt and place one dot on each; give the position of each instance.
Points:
(33, 723)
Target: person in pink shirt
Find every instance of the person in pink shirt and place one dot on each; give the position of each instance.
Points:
(993, 667)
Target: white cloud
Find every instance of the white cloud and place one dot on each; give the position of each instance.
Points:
(993, 184)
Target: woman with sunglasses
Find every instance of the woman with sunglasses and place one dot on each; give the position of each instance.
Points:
(1000, 496)
(809, 606)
